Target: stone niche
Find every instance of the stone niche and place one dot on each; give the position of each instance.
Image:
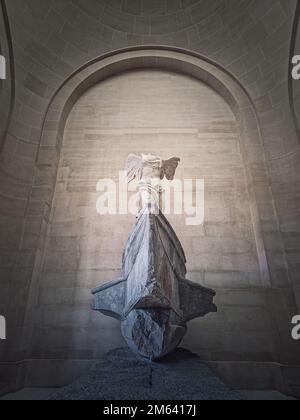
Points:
(178, 105)
(143, 110)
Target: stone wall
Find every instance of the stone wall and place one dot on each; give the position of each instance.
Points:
(9, 237)
(293, 240)
(52, 39)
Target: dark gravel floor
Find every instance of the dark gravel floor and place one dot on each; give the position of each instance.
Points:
(123, 376)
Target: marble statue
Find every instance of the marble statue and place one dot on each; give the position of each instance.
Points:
(153, 299)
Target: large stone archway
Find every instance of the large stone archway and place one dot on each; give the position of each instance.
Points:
(256, 293)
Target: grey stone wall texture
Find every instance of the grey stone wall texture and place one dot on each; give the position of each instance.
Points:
(51, 241)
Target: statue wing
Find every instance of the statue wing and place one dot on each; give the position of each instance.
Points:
(169, 167)
(133, 168)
